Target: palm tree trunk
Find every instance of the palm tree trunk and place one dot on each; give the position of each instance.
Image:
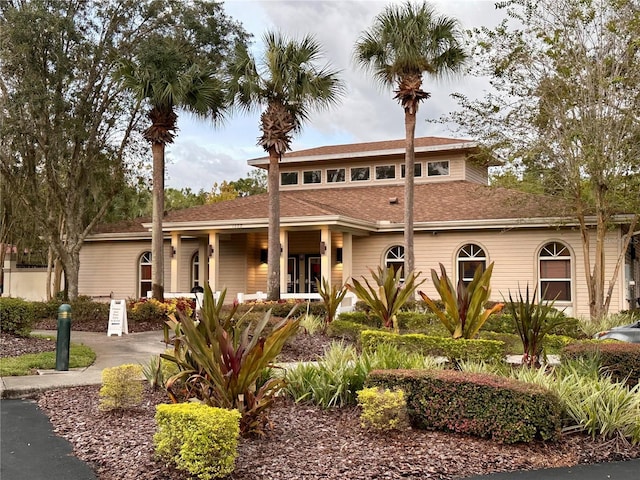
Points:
(273, 259)
(157, 238)
(409, 162)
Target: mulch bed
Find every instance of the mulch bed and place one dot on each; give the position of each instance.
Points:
(305, 442)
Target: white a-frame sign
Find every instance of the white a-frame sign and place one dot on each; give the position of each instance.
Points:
(117, 318)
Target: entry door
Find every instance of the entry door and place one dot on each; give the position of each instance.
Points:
(312, 274)
(293, 282)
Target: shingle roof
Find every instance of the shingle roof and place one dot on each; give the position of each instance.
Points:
(446, 201)
(373, 147)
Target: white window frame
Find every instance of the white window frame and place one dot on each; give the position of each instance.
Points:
(395, 256)
(470, 252)
(145, 259)
(555, 251)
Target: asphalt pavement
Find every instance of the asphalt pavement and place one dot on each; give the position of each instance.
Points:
(30, 449)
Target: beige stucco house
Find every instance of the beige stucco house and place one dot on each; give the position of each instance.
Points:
(342, 212)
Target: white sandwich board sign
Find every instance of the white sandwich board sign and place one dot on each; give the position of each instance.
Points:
(117, 318)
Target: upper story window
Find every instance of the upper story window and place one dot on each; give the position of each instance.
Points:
(395, 258)
(359, 174)
(312, 176)
(470, 258)
(384, 172)
(144, 274)
(438, 169)
(417, 170)
(289, 178)
(335, 175)
(555, 272)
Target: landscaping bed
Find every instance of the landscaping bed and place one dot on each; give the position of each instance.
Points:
(307, 443)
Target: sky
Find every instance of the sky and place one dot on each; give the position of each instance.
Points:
(203, 154)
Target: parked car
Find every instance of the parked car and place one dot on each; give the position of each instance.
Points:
(626, 333)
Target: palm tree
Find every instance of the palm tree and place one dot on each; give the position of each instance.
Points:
(166, 77)
(287, 84)
(405, 42)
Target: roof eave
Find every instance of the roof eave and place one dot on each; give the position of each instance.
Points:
(264, 161)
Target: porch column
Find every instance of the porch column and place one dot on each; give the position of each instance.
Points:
(213, 255)
(325, 254)
(284, 256)
(347, 256)
(176, 245)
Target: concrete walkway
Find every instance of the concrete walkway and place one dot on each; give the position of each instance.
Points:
(111, 351)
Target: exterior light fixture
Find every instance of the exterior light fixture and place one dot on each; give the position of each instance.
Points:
(339, 255)
(264, 255)
(323, 248)
(210, 251)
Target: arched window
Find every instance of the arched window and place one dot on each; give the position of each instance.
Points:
(144, 274)
(195, 270)
(395, 258)
(555, 272)
(470, 257)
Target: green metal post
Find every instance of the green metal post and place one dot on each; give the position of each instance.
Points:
(63, 338)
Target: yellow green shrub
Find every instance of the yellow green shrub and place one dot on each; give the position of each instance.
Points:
(121, 387)
(197, 438)
(382, 409)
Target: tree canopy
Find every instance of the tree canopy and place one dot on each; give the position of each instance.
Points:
(287, 82)
(404, 43)
(562, 112)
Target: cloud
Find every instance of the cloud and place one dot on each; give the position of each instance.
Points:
(367, 111)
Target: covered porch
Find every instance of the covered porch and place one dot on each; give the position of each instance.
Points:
(236, 260)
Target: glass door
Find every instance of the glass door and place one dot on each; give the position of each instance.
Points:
(313, 273)
(293, 282)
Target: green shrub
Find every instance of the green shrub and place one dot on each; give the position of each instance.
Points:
(346, 330)
(484, 405)
(83, 309)
(382, 409)
(16, 316)
(621, 360)
(412, 321)
(501, 322)
(121, 387)
(45, 310)
(198, 439)
(460, 349)
(361, 318)
(146, 312)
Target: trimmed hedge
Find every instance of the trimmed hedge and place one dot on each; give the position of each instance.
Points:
(407, 321)
(461, 349)
(198, 439)
(484, 405)
(16, 316)
(503, 323)
(346, 330)
(619, 359)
